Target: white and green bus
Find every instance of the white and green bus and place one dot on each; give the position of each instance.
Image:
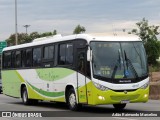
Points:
(77, 69)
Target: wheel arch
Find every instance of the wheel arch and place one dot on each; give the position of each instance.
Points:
(68, 87)
(22, 86)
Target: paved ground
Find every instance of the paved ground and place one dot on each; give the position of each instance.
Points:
(87, 112)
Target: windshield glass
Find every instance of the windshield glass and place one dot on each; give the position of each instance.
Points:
(118, 60)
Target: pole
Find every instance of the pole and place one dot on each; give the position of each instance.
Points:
(26, 26)
(16, 35)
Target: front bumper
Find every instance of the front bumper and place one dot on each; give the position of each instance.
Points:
(112, 97)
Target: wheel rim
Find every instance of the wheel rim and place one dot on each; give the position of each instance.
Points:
(25, 96)
(72, 100)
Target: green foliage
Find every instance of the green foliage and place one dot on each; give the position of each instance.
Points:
(25, 38)
(79, 29)
(22, 38)
(155, 68)
(55, 32)
(46, 34)
(153, 51)
(34, 35)
(148, 34)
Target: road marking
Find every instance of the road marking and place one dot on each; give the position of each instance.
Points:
(121, 118)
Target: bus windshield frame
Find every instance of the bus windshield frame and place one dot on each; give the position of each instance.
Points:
(119, 61)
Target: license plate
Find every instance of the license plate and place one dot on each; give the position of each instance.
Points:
(125, 101)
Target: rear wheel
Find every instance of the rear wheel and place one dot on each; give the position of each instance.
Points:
(25, 99)
(119, 106)
(72, 101)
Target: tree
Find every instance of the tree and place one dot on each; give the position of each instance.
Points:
(22, 38)
(34, 35)
(25, 38)
(79, 29)
(55, 32)
(46, 34)
(11, 40)
(148, 34)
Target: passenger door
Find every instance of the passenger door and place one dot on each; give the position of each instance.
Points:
(81, 75)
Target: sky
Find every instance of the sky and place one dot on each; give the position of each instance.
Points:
(97, 16)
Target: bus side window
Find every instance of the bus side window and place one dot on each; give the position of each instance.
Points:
(61, 60)
(48, 52)
(37, 57)
(81, 62)
(18, 59)
(69, 53)
(65, 54)
(28, 62)
(81, 65)
(13, 57)
(7, 60)
(24, 58)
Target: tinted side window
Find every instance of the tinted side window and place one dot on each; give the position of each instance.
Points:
(65, 54)
(18, 59)
(28, 55)
(24, 58)
(62, 60)
(48, 52)
(69, 53)
(37, 57)
(7, 60)
(13, 59)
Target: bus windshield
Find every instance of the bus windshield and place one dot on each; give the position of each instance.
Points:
(118, 60)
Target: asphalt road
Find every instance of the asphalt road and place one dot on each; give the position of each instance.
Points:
(60, 110)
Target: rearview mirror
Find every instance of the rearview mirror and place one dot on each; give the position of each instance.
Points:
(89, 55)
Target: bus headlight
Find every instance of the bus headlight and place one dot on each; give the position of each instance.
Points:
(144, 86)
(101, 87)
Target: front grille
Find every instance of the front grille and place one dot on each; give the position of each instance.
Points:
(125, 97)
(124, 90)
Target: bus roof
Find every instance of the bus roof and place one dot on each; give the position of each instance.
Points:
(87, 37)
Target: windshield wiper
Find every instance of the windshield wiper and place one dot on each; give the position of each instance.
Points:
(116, 65)
(137, 53)
(128, 62)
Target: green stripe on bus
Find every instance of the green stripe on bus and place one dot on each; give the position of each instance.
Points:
(48, 94)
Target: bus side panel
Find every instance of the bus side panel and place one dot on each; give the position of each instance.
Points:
(48, 83)
(11, 83)
(42, 84)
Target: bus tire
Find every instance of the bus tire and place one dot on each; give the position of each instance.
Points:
(25, 99)
(72, 101)
(119, 106)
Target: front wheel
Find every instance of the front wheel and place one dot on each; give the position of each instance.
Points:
(71, 100)
(119, 106)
